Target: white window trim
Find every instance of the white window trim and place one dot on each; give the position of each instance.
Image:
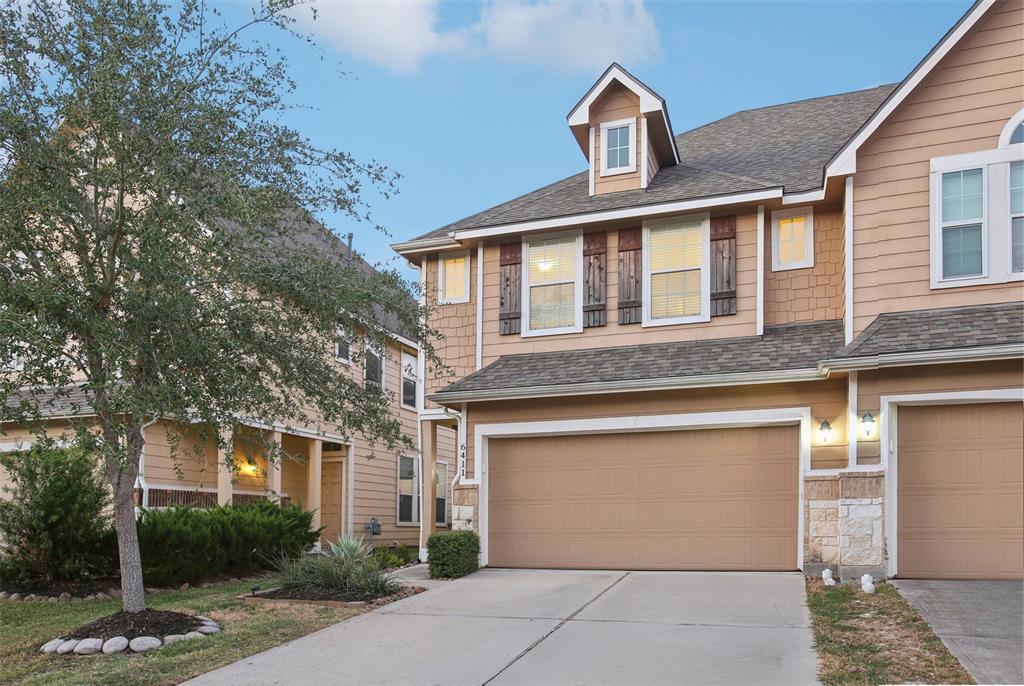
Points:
(382, 356)
(343, 360)
(417, 494)
(935, 232)
(808, 214)
(705, 271)
(577, 326)
(631, 123)
(1010, 274)
(401, 394)
(1007, 133)
(440, 278)
(444, 486)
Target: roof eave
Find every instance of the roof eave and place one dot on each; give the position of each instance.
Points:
(421, 245)
(986, 353)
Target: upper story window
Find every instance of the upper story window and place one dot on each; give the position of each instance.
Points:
(618, 142)
(977, 213)
(553, 285)
(342, 348)
(677, 274)
(453, 278)
(373, 365)
(409, 381)
(793, 239)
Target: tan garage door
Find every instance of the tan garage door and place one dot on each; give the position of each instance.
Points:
(702, 499)
(961, 506)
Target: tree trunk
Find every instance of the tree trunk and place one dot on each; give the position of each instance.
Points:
(132, 590)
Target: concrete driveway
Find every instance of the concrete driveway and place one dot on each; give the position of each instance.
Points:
(979, 621)
(560, 627)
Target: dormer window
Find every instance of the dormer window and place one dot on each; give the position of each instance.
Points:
(618, 152)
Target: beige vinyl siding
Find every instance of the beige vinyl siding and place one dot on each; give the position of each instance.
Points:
(618, 102)
(810, 294)
(827, 400)
(653, 166)
(962, 106)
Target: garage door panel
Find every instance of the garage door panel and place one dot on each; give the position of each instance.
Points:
(961, 502)
(703, 499)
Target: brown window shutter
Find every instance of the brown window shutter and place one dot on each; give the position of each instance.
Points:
(630, 276)
(595, 267)
(723, 265)
(511, 288)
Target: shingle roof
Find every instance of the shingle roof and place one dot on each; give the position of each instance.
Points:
(66, 401)
(781, 348)
(948, 328)
(784, 146)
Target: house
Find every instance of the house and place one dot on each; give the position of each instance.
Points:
(788, 339)
(352, 485)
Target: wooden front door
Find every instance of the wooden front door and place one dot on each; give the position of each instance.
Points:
(331, 492)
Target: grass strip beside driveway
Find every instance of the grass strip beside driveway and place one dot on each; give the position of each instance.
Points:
(876, 639)
(248, 628)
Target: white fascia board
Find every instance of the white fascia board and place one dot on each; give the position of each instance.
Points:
(648, 101)
(845, 161)
(426, 245)
(634, 386)
(981, 354)
(625, 213)
(806, 197)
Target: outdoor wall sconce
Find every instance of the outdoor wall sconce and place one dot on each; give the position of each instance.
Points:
(867, 423)
(373, 526)
(826, 431)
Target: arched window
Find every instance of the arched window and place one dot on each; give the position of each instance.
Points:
(1013, 132)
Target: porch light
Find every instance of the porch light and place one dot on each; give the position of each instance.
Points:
(248, 469)
(826, 431)
(867, 423)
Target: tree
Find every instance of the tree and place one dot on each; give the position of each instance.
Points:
(158, 250)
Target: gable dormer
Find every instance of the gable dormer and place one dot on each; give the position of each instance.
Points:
(624, 130)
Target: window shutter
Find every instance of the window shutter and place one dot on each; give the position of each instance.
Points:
(723, 265)
(630, 276)
(511, 288)
(595, 249)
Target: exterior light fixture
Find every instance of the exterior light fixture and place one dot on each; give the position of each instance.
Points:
(867, 422)
(826, 431)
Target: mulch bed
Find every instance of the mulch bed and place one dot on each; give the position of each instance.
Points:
(318, 596)
(79, 589)
(132, 625)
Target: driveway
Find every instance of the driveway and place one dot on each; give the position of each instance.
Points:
(560, 627)
(979, 621)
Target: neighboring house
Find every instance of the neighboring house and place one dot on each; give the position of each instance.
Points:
(350, 483)
(787, 339)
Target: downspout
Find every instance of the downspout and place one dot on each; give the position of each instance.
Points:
(140, 480)
(460, 453)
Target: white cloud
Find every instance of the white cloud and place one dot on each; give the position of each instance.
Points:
(565, 35)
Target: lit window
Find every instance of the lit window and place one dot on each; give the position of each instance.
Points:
(453, 278)
(374, 367)
(963, 203)
(441, 490)
(409, 380)
(553, 284)
(618, 154)
(1017, 211)
(793, 239)
(408, 490)
(676, 276)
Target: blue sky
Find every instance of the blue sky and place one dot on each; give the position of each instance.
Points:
(468, 100)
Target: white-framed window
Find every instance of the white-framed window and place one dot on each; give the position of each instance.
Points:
(793, 239)
(618, 146)
(441, 493)
(676, 270)
(553, 284)
(977, 213)
(453, 278)
(410, 381)
(373, 366)
(342, 347)
(408, 489)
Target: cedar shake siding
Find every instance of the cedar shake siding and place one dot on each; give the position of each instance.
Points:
(457, 326)
(961, 106)
(810, 294)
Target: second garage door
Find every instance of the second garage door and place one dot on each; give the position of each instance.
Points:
(701, 499)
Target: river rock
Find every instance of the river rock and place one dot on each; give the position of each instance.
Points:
(65, 597)
(144, 644)
(52, 646)
(193, 635)
(115, 645)
(89, 646)
(67, 646)
(208, 629)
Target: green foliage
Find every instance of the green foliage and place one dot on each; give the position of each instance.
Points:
(350, 548)
(390, 557)
(452, 554)
(345, 568)
(191, 544)
(52, 525)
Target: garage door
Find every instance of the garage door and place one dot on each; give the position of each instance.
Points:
(961, 505)
(701, 499)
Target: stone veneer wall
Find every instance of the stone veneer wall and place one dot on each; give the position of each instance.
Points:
(465, 513)
(844, 524)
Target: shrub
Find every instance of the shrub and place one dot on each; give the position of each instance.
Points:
(53, 525)
(189, 544)
(346, 568)
(390, 557)
(452, 554)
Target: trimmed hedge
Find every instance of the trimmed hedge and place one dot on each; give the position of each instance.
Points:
(452, 554)
(190, 544)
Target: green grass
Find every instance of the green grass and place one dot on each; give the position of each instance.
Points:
(876, 639)
(248, 628)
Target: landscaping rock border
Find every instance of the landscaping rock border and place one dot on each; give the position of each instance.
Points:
(120, 644)
(65, 597)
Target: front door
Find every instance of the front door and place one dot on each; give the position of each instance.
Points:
(331, 482)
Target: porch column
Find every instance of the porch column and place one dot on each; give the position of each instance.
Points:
(313, 480)
(225, 465)
(428, 494)
(274, 470)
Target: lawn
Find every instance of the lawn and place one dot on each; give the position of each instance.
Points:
(248, 628)
(876, 639)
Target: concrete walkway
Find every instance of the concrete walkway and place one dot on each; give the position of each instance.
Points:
(559, 627)
(979, 621)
